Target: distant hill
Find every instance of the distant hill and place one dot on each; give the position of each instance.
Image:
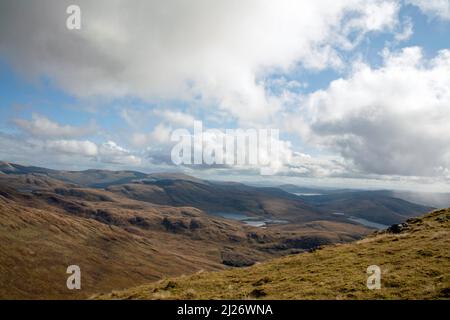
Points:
(431, 199)
(92, 178)
(379, 207)
(414, 262)
(87, 178)
(292, 188)
(175, 189)
(214, 197)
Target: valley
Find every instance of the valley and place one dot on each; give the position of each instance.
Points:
(126, 228)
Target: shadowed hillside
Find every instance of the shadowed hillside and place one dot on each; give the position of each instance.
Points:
(379, 207)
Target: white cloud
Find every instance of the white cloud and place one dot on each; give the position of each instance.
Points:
(112, 148)
(433, 8)
(160, 135)
(41, 126)
(393, 120)
(323, 166)
(67, 154)
(83, 148)
(177, 118)
(407, 31)
(111, 152)
(232, 59)
(211, 51)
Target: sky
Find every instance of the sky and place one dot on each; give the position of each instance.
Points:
(359, 90)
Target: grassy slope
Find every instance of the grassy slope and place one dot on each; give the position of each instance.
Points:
(415, 265)
(38, 245)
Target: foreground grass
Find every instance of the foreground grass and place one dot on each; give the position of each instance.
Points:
(415, 264)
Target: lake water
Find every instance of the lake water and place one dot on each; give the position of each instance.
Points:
(262, 222)
(248, 220)
(368, 223)
(363, 222)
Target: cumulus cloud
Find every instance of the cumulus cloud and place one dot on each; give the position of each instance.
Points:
(406, 32)
(260, 152)
(110, 148)
(65, 151)
(392, 120)
(177, 118)
(160, 135)
(83, 148)
(306, 165)
(433, 8)
(111, 152)
(107, 152)
(236, 62)
(55, 139)
(41, 126)
(214, 52)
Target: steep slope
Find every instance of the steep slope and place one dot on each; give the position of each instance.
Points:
(414, 260)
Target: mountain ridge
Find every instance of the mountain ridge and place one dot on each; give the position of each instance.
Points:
(178, 189)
